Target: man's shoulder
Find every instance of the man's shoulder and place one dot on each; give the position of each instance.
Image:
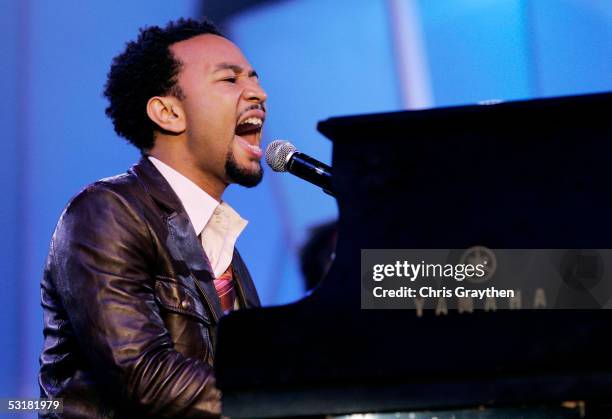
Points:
(123, 190)
(123, 184)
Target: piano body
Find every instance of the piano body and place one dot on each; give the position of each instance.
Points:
(515, 175)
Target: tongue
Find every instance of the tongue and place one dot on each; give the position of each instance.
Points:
(248, 142)
(249, 138)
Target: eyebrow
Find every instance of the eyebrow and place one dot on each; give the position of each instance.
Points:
(235, 68)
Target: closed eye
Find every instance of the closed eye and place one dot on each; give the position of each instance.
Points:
(230, 79)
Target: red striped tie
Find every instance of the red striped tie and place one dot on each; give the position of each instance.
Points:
(225, 290)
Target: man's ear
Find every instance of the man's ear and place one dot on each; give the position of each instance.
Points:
(167, 113)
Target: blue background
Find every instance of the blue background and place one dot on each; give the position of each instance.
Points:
(316, 59)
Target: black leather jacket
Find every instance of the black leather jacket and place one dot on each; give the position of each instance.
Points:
(129, 305)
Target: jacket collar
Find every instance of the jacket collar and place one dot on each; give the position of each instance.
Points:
(156, 185)
(200, 206)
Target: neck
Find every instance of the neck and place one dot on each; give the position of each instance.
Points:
(185, 166)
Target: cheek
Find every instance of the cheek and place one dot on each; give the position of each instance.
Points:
(211, 114)
(211, 122)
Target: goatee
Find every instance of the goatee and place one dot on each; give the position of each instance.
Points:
(240, 175)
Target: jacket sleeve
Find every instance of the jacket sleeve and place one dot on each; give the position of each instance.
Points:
(103, 255)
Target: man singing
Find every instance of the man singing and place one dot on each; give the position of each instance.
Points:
(142, 265)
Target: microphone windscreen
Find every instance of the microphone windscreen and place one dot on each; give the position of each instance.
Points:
(278, 153)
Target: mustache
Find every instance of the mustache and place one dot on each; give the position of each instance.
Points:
(259, 106)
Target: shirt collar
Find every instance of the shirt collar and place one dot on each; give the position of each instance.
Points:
(199, 205)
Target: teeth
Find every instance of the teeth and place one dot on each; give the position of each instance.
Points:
(253, 121)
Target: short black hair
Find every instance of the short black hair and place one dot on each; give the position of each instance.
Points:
(147, 68)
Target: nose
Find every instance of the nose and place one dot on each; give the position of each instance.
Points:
(255, 93)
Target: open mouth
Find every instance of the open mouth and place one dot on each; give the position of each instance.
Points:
(248, 132)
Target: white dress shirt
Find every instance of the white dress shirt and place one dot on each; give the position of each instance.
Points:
(217, 224)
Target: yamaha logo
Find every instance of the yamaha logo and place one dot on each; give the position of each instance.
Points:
(480, 255)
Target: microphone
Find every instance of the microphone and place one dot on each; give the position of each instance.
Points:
(282, 156)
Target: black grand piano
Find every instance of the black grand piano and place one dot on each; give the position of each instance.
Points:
(531, 175)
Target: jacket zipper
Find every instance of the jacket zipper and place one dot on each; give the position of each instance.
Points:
(210, 306)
